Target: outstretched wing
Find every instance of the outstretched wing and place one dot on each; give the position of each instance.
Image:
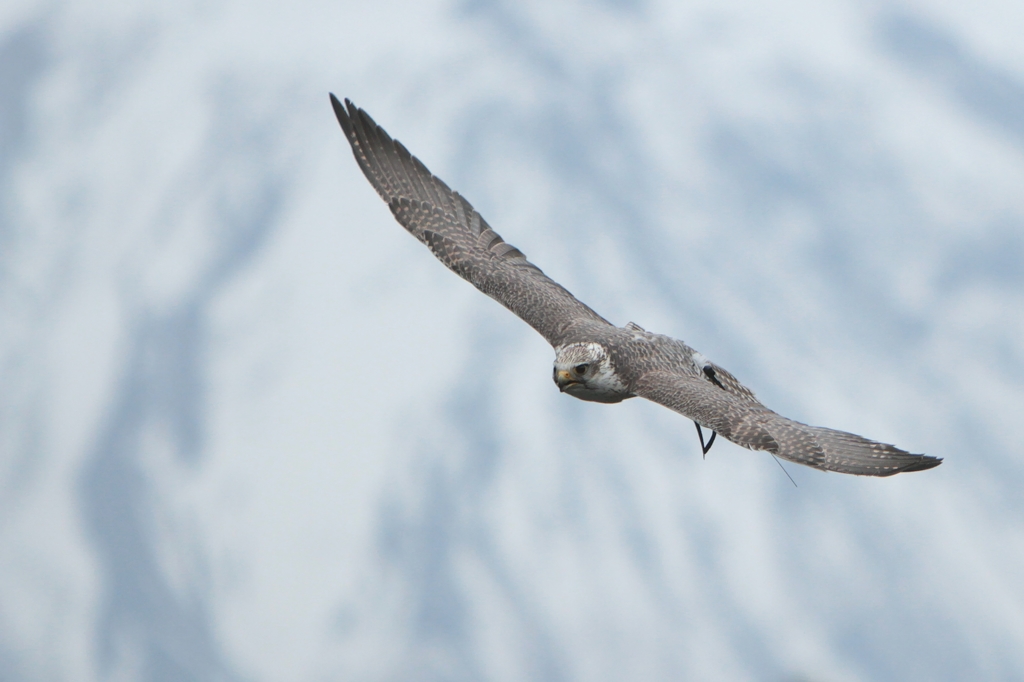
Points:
(747, 422)
(457, 235)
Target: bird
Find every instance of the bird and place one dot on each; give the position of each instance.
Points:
(594, 359)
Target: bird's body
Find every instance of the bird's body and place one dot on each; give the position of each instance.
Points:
(595, 360)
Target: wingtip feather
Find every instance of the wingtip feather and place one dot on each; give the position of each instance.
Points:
(342, 115)
(926, 462)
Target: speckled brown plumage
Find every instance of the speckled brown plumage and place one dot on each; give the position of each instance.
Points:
(638, 362)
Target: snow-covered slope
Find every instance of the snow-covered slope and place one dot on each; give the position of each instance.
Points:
(251, 430)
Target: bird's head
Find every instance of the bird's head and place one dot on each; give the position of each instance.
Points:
(584, 371)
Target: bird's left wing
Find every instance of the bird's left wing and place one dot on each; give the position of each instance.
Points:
(461, 239)
(747, 422)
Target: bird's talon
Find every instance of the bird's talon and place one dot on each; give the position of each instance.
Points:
(700, 434)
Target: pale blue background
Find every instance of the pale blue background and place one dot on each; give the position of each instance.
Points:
(251, 430)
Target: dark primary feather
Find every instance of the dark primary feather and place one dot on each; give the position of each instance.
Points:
(457, 235)
(659, 369)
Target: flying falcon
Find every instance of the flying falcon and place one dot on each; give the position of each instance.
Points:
(595, 360)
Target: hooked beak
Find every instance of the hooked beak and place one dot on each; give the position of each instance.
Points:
(564, 380)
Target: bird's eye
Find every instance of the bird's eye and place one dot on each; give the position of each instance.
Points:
(582, 369)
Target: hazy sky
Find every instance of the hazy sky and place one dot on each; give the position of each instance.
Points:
(251, 430)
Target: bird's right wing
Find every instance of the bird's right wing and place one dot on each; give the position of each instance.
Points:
(747, 422)
(461, 239)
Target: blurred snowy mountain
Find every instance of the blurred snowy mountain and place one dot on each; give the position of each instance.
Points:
(251, 430)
